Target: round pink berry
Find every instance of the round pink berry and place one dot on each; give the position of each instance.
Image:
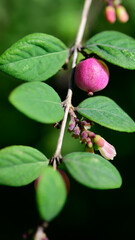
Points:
(110, 14)
(91, 75)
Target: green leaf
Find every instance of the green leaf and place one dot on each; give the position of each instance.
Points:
(92, 170)
(107, 113)
(20, 165)
(38, 101)
(36, 57)
(115, 47)
(51, 194)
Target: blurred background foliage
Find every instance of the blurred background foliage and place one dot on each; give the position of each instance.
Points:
(88, 214)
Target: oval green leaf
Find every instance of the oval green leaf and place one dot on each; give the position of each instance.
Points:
(36, 57)
(51, 194)
(115, 47)
(92, 170)
(38, 101)
(20, 165)
(107, 113)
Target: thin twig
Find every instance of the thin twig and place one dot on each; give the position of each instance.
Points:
(79, 37)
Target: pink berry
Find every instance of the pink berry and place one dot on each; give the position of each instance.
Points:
(91, 75)
(110, 14)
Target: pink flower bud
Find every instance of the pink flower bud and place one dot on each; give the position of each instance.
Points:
(86, 125)
(91, 75)
(72, 113)
(92, 134)
(77, 131)
(99, 141)
(122, 14)
(110, 14)
(83, 123)
(72, 124)
(105, 148)
(89, 143)
(84, 136)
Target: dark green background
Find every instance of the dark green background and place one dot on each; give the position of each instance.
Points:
(88, 214)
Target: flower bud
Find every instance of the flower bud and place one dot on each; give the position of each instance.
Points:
(105, 148)
(40, 234)
(86, 125)
(110, 14)
(84, 136)
(72, 124)
(91, 75)
(99, 141)
(72, 113)
(122, 14)
(87, 149)
(83, 123)
(77, 131)
(89, 143)
(92, 134)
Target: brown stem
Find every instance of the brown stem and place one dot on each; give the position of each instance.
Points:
(79, 37)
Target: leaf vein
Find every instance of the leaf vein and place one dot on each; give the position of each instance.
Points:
(25, 59)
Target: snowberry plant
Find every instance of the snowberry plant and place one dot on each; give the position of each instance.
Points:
(34, 59)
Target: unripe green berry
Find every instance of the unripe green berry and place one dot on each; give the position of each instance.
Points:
(122, 14)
